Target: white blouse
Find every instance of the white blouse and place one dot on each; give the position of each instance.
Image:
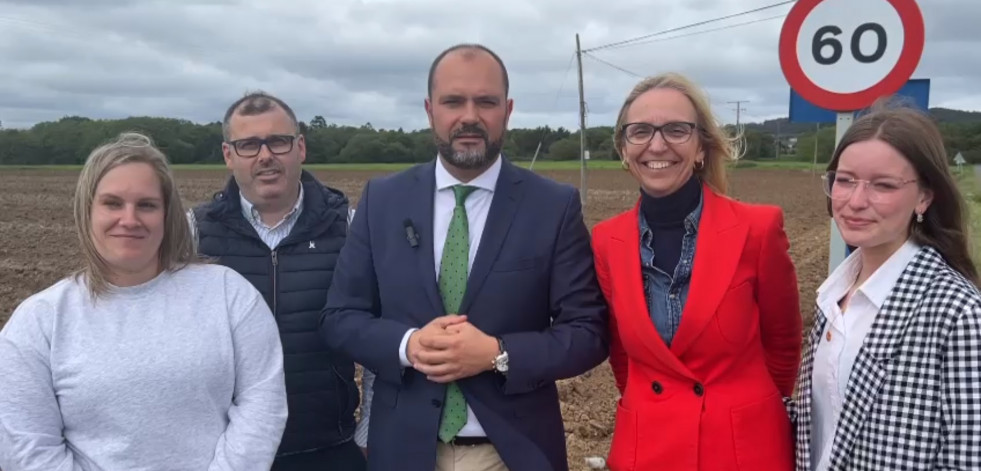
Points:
(843, 338)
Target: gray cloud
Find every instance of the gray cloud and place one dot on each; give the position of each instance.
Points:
(358, 61)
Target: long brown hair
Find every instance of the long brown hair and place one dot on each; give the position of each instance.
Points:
(719, 147)
(918, 139)
(176, 248)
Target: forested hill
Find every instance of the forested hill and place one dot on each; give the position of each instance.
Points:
(942, 115)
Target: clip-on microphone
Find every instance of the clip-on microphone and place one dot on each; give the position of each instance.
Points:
(410, 233)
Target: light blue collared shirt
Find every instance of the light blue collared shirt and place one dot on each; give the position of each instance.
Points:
(272, 235)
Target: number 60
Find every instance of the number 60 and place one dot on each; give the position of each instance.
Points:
(821, 40)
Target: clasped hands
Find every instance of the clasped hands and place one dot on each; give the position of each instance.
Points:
(450, 348)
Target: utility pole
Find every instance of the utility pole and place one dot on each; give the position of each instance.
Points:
(738, 109)
(817, 130)
(776, 143)
(582, 130)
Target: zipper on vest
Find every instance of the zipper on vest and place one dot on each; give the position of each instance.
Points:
(275, 275)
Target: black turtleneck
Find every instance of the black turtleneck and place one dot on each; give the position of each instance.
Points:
(666, 217)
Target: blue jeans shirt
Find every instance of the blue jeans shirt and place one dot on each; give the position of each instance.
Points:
(666, 293)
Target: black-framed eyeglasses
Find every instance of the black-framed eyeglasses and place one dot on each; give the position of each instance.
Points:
(841, 187)
(675, 132)
(250, 146)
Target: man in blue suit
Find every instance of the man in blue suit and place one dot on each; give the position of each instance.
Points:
(467, 286)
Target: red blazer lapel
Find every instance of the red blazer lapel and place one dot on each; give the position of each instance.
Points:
(718, 247)
(631, 305)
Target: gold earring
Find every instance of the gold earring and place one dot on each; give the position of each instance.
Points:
(624, 164)
(699, 167)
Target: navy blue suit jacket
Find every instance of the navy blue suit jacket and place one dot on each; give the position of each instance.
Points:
(532, 283)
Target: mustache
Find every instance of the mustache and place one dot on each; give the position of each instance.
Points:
(470, 129)
(263, 168)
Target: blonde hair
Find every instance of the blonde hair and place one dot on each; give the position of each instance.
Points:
(176, 248)
(718, 146)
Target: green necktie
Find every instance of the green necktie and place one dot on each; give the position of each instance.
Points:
(452, 284)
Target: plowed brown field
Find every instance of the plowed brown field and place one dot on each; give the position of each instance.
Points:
(39, 246)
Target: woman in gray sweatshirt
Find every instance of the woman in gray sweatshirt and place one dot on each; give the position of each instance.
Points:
(146, 359)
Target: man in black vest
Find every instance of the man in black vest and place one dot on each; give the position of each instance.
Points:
(282, 229)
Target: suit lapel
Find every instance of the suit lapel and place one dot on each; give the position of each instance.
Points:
(718, 247)
(420, 198)
(507, 195)
(879, 348)
(632, 313)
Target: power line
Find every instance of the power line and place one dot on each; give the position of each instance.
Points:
(621, 69)
(738, 109)
(565, 76)
(541, 138)
(672, 30)
(696, 33)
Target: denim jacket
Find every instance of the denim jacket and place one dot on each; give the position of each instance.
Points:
(666, 294)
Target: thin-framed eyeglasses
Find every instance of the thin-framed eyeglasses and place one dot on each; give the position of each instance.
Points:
(277, 144)
(841, 187)
(674, 132)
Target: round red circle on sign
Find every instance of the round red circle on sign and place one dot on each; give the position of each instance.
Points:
(909, 58)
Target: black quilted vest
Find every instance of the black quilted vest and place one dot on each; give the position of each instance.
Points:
(294, 279)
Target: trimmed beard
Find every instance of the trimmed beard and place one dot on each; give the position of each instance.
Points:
(469, 159)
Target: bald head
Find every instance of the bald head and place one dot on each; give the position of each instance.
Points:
(467, 52)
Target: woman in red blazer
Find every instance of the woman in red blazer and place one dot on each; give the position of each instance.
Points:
(705, 320)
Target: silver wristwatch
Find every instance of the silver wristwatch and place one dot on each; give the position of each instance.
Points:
(501, 360)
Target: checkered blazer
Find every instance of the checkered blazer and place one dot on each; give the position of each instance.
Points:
(914, 395)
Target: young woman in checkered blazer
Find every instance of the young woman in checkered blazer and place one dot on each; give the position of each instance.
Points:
(891, 376)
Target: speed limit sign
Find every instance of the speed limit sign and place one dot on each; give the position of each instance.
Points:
(844, 54)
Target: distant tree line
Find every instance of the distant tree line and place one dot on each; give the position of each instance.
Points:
(964, 138)
(69, 140)
(961, 131)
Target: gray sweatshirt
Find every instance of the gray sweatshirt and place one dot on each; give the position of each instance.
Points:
(183, 372)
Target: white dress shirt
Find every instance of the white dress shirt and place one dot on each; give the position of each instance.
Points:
(843, 338)
(478, 206)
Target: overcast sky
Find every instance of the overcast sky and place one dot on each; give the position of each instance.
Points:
(358, 61)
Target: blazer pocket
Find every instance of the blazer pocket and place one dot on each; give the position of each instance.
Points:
(623, 448)
(766, 418)
(516, 264)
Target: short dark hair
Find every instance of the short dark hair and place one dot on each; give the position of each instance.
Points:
(254, 103)
(473, 47)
